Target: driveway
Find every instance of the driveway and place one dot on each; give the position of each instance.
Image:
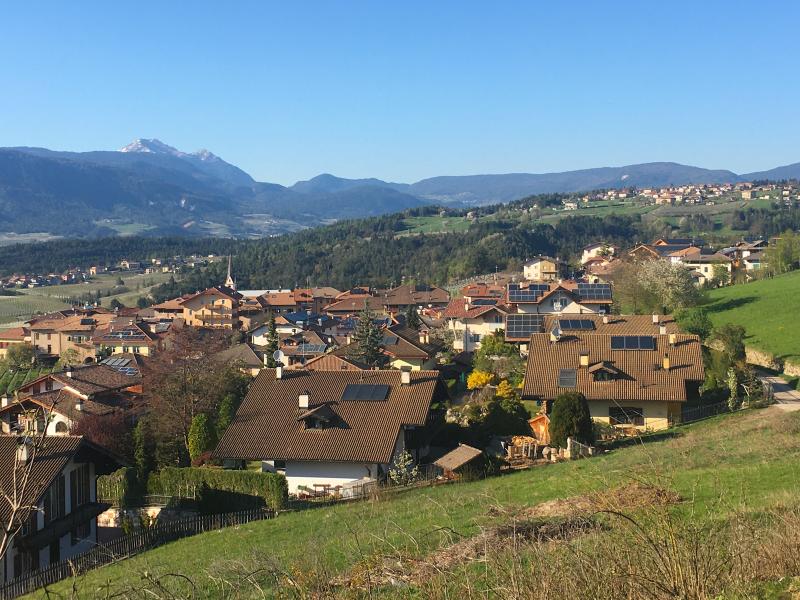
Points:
(786, 398)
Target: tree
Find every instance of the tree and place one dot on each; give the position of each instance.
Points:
(202, 437)
(116, 304)
(784, 254)
(403, 470)
(20, 356)
(142, 302)
(721, 276)
(695, 321)
(732, 381)
(731, 338)
(655, 286)
(479, 379)
(111, 431)
(505, 416)
(412, 317)
(227, 410)
(368, 340)
(273, 342)
(505, 390)
(120, 281)
(69, 357)
(143, 451)
(570, 417)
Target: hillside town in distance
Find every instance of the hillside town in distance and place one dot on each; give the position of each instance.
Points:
(338, 391)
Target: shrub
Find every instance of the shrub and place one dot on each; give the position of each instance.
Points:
(479, 379)
(202, 437)
(221, 490)
(120, 487)
(570, 418)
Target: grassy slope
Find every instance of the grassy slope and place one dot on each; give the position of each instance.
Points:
(764, 309)
(702, 461)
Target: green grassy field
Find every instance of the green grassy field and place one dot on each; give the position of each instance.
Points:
(125, 229)
(11, 380)
(738, 464)
(428, 225)
(56, 297)
(764, 309)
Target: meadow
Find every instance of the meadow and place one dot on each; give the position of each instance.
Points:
(763, 308)
(464, 537)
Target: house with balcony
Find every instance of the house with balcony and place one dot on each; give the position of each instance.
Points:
(214, 308)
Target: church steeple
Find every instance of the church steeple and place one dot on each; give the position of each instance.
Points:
(229, 280)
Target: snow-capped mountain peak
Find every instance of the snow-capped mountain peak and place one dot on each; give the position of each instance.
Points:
(204, 154)
(151, 146)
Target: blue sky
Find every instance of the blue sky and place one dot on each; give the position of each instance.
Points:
(407, 90)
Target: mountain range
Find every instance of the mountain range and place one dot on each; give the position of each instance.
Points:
(149, 186)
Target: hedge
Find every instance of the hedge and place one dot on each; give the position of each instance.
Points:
(221, 489)
(119, 487)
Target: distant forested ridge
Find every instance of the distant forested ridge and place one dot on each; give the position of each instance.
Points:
(375, 251)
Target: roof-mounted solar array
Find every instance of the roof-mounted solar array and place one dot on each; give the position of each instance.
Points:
(532, 293)
(523, 326)
(632, 342)
(361, 391)
(594, 291)
(576, 324)
(389, 340)
(311, 348)
(484, 302)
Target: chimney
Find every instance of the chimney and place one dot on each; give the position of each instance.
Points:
(279, 372)
(466, 305)
(655, 319)
(4, 401)
(405, 376)
(584, 358)
(302, 400)
(23, 452)
(665, 362)
(673, 339)
(605, 319)
(68, 372)
(79, 404)
(662, 329)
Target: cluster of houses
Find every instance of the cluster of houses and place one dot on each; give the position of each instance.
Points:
(326, 421)
(708, 266)
(787, 194)
(174, 264)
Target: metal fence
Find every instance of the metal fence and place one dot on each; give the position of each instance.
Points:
(126, 546)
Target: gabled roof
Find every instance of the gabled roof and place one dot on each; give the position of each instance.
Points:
(266, 425)
(124, 332)
(641, 377)
(240, 353)
(355, 304)
(461, 309)
(405, 295)
(217, 290)
(332, 362)
(88, 379)
(14, 334)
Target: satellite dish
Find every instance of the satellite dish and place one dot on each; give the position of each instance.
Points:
(277, 356)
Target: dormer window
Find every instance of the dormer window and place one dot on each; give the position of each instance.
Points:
(603, 371)
(319, 417)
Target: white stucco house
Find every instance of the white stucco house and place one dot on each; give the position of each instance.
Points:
(327, 431)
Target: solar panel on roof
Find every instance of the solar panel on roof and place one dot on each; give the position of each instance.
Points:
(484, 302)
(567, 378)
(576, 324)
(361, 391)
(632, 342)
(594, 291)
(311, 348)
(389, 340)
(523, 326)
(532, 293)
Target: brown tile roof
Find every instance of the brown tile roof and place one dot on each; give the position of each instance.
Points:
(355, 304)
(280, 299)
(15, 334)
(266, 425)
(642, 377)
(458, 309)
(174, 304)
(409, 294)
(458, 457)
(240, 353)
(89, 379)
(483, 290)
(332, 362)
(124, 331)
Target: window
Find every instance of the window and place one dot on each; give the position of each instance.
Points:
(474, 338)
(79, 486)
(62, 427)
(48, 385)
(55, 500)
(568, 378)
(626, 416)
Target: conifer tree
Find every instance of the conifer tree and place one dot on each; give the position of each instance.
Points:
(273, 342)
(367, 339)
(412, 317)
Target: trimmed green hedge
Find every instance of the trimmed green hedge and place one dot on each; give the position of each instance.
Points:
(119, 487)
(220, 490)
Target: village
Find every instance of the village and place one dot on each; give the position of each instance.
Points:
(342, 391)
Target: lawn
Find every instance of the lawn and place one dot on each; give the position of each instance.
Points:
(57, 297)
(764, 309)
(12, 379)
(428, 225)
(749, 459)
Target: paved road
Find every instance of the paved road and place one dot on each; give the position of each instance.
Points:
(786, 398)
